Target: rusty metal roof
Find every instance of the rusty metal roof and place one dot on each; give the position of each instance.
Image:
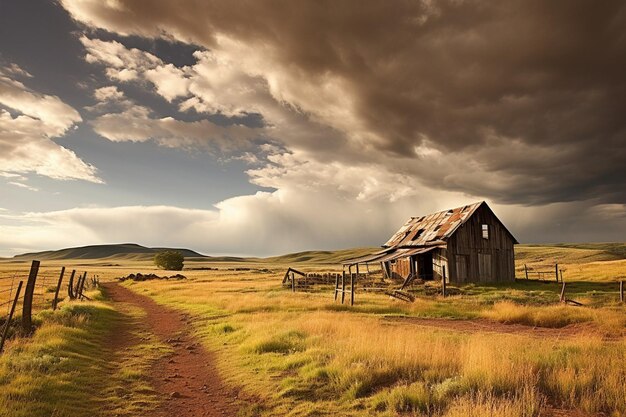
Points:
(432, 229)
(388, 255)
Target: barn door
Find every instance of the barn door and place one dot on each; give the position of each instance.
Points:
(485, 269)
(461, 267)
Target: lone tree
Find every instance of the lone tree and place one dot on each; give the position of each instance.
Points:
(170, 260)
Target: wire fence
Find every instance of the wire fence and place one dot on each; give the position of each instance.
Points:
(23, 294)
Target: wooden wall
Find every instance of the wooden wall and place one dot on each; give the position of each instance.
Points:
(471, 258)
(402, 267)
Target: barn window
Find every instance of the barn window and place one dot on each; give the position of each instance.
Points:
(485, 231)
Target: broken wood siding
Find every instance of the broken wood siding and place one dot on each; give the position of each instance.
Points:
(472, 258)
(440, 261)
(402, 267)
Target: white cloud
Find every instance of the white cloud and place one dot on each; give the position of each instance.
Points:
(136, 125)
(22, 185)
(25, 139)
(56, 116)
(108, 93)
(286, 220)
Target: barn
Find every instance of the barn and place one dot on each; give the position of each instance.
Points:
(465, 244)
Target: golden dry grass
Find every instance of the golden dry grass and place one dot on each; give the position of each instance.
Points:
(304, 355)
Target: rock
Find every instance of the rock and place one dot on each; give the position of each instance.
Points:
(175, 394)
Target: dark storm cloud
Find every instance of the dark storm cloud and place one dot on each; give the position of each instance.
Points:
(523, 100)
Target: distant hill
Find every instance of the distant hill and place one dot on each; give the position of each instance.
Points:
(545, 253)
(570, 252)
(129, 251)
(322, 257)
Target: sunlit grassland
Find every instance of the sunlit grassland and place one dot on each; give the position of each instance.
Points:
(69, 368)
(303, 354)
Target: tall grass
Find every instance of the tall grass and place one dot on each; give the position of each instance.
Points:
(302, 358)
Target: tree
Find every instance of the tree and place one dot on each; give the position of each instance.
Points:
(170, 260)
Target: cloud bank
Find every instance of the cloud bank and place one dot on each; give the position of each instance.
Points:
(28, 123)
(505, 100)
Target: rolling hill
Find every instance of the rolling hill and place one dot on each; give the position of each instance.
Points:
(129, 251)
(531, 254)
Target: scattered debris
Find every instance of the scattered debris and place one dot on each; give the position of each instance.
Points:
(146, 277)
(401, 295)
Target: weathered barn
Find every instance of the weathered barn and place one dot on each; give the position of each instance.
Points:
(465, 244)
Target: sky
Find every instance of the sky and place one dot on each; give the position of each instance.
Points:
(273, 126)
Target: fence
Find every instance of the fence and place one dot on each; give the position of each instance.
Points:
(35, 292)
(545, 275)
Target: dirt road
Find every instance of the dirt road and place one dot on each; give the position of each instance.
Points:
(186, 380)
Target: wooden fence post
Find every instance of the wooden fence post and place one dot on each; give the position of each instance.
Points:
(621, 291)
(556, 272)
(562, 299)
(27, 320)
(343, 285)
(293, 282)
(56, 293)
(526, 270)
(8, 322)
(443, 280)
(70, 286)
(353, 278)
(337, 284)
(81, 286)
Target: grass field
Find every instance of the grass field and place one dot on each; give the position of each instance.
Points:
(491, 350)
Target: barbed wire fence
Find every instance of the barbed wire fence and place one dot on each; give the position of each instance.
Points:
(33, 293)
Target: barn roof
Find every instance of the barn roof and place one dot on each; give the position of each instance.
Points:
(432, 229)
(422, 234)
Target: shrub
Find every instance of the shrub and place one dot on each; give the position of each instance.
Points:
(170, 260)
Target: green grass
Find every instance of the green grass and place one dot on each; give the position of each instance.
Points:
(68, 367)
(54, 373)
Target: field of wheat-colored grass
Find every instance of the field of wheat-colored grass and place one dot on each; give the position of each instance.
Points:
(304, 354)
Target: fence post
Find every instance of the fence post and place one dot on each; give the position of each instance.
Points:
(621, 291)
(27, 321)
(337, 284)
(8, 322)
(562, 299)
(10, 317)
(56, 293)
(556, 272)
(81, 285)
(353, 278)
(526, 270)
(293, 282)
(343, 285)
(443, 281)
(70, 286)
